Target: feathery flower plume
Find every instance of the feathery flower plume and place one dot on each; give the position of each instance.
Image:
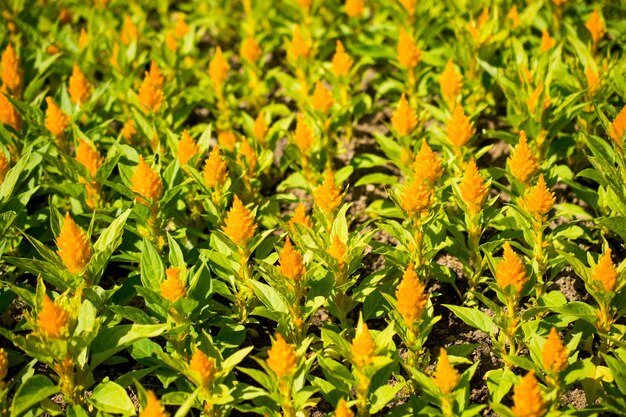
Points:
(239, 225)
(11, 71)
(473, 188)
(153, 407)
(113, 59)
(411, 297)
(8, 114)
(79, 88)
(83, 39)
(343, 410)
(260, 127)
(170, 40)
(605, 272)
(547, 42)
(247, 156)
(129, 130)
(363, 346)
(173, 288)
(534, 97)
(527, 398)
(595, 26)
(291, 263)
(305, 5)
(52, 319)
(282, 359)
(354, 8)
(459, 129)
(300, 217)
(427, 164)
(304, 137)
(511, 271)
(250, 50)
(416, 197)
(341, 62)
(227, 140)
(409, 6)
(451, 83)
(322, 98)
(554, 353)
(130, 32)
(4, 166)
(337, 250)
(88, 157)
(299, 46)
(4, 366)
(204, 367)
(74, 246)
(187, 148)
(593, 80)
(56, 120)
(327, 197)
(513, 16)
(522, 161)
(618, 128)
(215, 172)
(147, 183)
(539, 200)
(218, 68)
(409, 53)
(446, 377)
(151, 90)
(404, 118)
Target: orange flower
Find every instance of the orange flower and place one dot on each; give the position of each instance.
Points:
(300, 217)
(239, 224)
(113, 59)
(539, 200)
(151, 90)
(10, 71)
(595, 26)
(354, 8)
(534, 97)
(52, 319)
(250, 50)
(327, 196)
(204, 367)
(404, 118)
(56, 120)
(83, 39)
(618, 128)
(322, 98)
(227, 140)
(304, 137)
(52, 49)
(260, 127)
(173, 288)
(427, 164)
(4, 366)
(341, 62)
(247, 156)
(170, 40)
(218, 68)
(554, 353)
(411, 297)
(593, 80)
(88, 157)
(513, 16)
(4, 166)
(446, 377)
(74, 246)
(416, 197)
(522, 162)
(282, 359)
(153, 407)
(363, 346)
(8, 114)
(409, 6)
(510, 270)
(547, 42)
(473, 188)
(215, 172)
(527, 398)
(181, 29)
(128, 130)
(459, 129)
(130, 32)
(408, 52)
(605, 272)
(451, 83)
(299, 46)
(343, 410)
(79, 88)
(187, 148)
(147, 183)
(337, 250)
(291, 262)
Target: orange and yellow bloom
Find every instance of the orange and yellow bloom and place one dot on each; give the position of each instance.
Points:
(74, 246)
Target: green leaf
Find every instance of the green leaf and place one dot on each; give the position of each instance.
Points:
(234, 359)
(618, 369)
(34, 390)
(152, 269)
(382, 396)
(472, 317)
(113, 339)
(112, 398)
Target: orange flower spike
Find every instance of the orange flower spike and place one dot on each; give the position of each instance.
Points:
(83, 39)
(227, 140)
(328, 196)
(239, 225)
(8, 114)
(299, 46)
(282, 358)
(409, 6)
(129, 130)
(363, 346)
(554, 354)
(291, 262)
(74, 246)
(593, 80)
(409, 54)
(451, 83)
(89, 157)
(510, 270)
(173, 288)
(187, 148)
(52, 319)
(4, 366)
(130, 33)
(411, 297)
(404, 119)
(539, 200)
(4, 166)
(153, 407)
(341, 62)
(170, 40)
(250, 50)
(527, 398)
(204, 367)
(547, 42)
(215, 169)
(300, 217)
(416, 197)
(56, 120)
(247, 156)
(354, 8)
(147, 183)
(304, 137)
(618, 128)
(473, 188)
(181, 28)
(513, 16)
(113, 59)
(337, 250)
(522, 161)
(260, 128)
(151, 90)
(427, 164)
(343, 410)
(11, 71)
(79, 88)
(605, 272)
(322, 98)
(595, 26)
(446, 377)
(459, 129)
(218, 68)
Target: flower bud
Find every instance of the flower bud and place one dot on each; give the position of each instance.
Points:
(187, 148)
(446, 377)
(363, 346)
(341, 62)
(88, 157)
(173, 288)
(151, 90)
(239, 225)
(11, 72)
(459, 129)
(218, 68)
(8, 114)
(527, 398)
(343, 410)
(282, 359)
(291, 262)
(411, 297)
(554, 353)
(260, 128)
(539, 200)
(215, 172)
(404, 118)
(618, 128)
(605, 272)
(153, 407)
(56, 120)
(595, 26)
(5, 165)
(300, 217)
(451, 83)
(74, 246)
(416, 197)
(409, 54)
(79, 88)
(327, 196)
(204, 367)
(304, 137)
(4, 366)
(322, 99)
(299, 46)
(130, 32)
(522, 162)
(147, 183)
(52, 319)
(250, 50)
(427, 164)
(511, 271)
(473, 188)
(337, 250)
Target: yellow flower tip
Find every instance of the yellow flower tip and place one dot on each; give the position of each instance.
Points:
(247, 156)
(409, 54)
(113, 59)
(129, 130)
(218, 68)
(260, 128)
(305, 5)
(250, 50)
(522, 161)
(10, 71)
(534, 97)
(56, 120)
(227, 140)
(554, 353)
(173, 288)
(539, 200)
(303, 137)
(416, 197)
(593, 80)
(322, 98)
(130, 32)
(291, 262)
(327, 196)
(4, 365)
(204, 367)
(427, 164)
(459, 129)
(411, 297)
(8, 114)
(446, 377)
(181, 28)
(215, 169)
(79, 88)
(547, 42)
(618, 128)
(52, 319)
(343, 410)
(282, 358)
(83, 39)
(89, 157)
(605, 272)
(409, 6)
(511, 270)
(300, 217)
(187, 148)
(363, 346)
(595, 26)
(473, 188)
(4, 166)
(513, 16)
(299, 46)
(151, 90)
(239, 225)
(170, 40)
(153, 407)
(404, 119)
(147, 183)
(74, 246)
(53, 49)
(354, 8)
(337, 250)
(527, 398)
(341, 62)
(451, 83)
